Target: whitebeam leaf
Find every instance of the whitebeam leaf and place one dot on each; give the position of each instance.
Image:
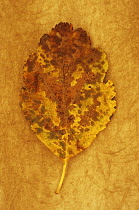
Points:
(65, 98)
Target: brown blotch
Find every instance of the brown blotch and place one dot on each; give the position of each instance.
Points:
(98, 66)
(79, 105)
(55, 40)
(62, 143)
(54, 63)
(96, 103)
(48, 124)
(39, 117)
(37, 101)
(70, 152)
(62, 132)
(34, 106)
(92, 123)
(94, 115)
(82, 36)
(28, 117)
(84, 120)
(72, 131)
(87, 129)
(81, 130)
(88, 93)
(39, 130)
(47, 127)
(41, 123)
(64, 28)
(42, 56)
(53, 135)
(71, 119)
(79, 147)
(79, 111)
(25, 96)
(71, 107)
(97, 95)
(46, 65)
(43, 40)
(31, 61)
(43, 110)
(98, 77)
(98, 88)
(70, 137)
(62, 155)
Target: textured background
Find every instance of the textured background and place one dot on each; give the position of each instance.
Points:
(103, 177)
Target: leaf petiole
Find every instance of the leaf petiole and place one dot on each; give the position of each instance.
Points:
(62, 176)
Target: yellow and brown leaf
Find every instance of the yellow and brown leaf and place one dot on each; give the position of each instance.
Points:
(65, 98)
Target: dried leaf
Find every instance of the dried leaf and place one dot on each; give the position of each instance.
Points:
(65, 98)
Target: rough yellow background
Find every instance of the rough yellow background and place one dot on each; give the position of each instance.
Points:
(106, 175)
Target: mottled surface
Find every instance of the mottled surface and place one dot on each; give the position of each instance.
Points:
(104, 176)
(65, 98)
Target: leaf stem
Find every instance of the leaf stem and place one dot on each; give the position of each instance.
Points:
(62, 177)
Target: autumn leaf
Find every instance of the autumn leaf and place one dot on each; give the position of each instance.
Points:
(65, 98)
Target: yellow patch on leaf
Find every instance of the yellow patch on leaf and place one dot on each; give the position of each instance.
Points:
(65, 98)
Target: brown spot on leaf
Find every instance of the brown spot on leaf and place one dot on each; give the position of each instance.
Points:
(43, 109)
(61, 153)
(53, 135)
(53, 62)
(71, 119)
(31, 61)
(62, 143)
(70, 137)
(72, 131)
(87, 129)
(39, 130)
(84, 120)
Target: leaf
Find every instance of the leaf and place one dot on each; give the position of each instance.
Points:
(65, 98)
